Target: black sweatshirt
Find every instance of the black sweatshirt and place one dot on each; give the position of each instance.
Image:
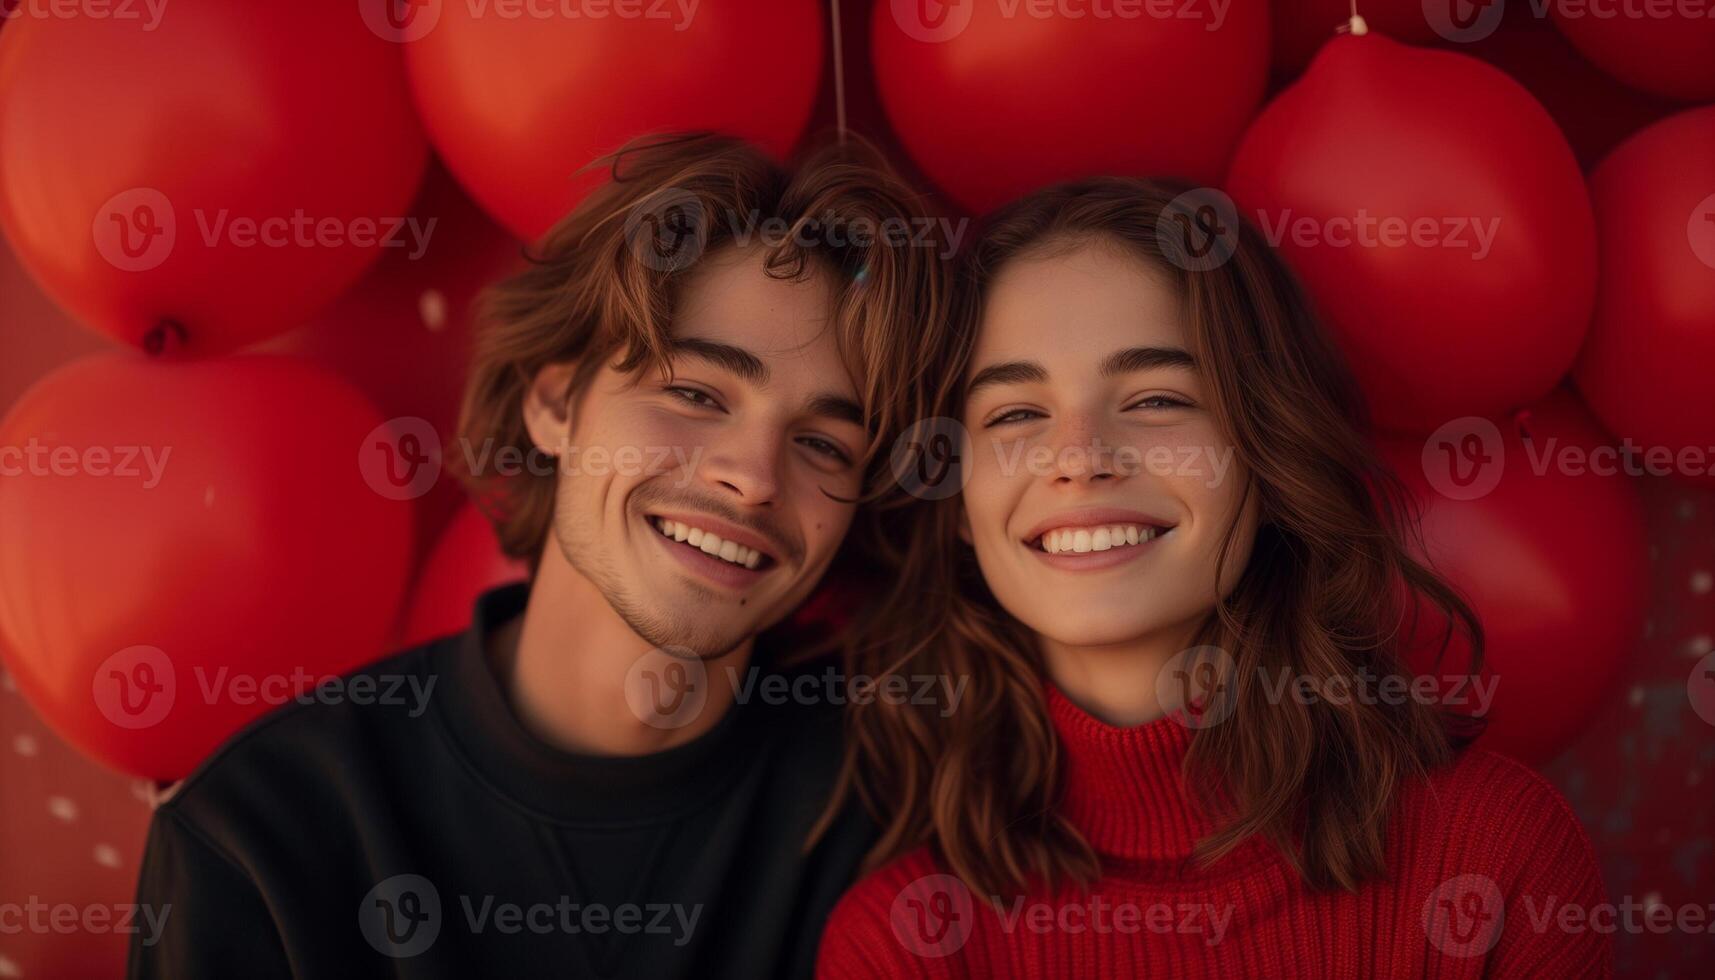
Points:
(405, 836)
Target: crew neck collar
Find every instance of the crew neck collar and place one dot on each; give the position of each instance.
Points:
(565, 785)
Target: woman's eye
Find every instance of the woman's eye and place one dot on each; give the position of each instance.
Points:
(1014, 415)
(825, 447)
(701, 399)
(1161, 401)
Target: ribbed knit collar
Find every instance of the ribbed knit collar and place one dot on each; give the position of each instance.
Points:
(1125, 790)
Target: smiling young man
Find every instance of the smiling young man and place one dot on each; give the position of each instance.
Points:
(714, 356)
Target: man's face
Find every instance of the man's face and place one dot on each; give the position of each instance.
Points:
(714, 512)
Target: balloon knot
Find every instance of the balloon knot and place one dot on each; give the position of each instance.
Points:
(1357, 26)
(163, 338)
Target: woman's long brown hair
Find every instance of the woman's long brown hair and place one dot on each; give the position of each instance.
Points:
(1329, 590)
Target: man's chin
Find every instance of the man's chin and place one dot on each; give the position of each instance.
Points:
(669, 630)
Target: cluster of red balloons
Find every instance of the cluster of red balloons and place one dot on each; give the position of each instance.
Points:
(191, 189)
(184, 521)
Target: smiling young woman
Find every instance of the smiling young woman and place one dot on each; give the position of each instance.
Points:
(1171, 528)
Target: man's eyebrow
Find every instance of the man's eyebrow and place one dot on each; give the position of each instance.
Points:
(1144, 358)
(837, 407)
(1008, 373)
(737, 360)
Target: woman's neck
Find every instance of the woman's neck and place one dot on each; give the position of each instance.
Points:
(1119, 683)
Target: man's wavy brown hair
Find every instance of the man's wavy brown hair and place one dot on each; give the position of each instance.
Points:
(1329, 589)
(600, 288)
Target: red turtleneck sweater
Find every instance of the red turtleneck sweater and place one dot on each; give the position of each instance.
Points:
(1490, 875)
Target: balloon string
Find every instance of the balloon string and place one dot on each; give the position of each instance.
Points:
(840, 75)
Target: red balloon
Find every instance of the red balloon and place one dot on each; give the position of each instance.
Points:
(519, 105)
(1438, 219)
(185, 545)
(39, 336)
(1667, 49)
(158, 179)
(466, 563)
(1646, 366)
(402, 335)
(993, 104)
(1301, 27)
(1548, 543)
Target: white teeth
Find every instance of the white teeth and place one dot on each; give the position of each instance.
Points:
(709, 543)
(1081, 540)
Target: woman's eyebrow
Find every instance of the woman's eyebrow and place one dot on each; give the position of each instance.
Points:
(1144, 358)
(1008, 373)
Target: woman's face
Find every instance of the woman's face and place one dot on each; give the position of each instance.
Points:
(1100, 485)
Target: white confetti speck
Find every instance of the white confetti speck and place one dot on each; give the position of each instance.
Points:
(1699, 645)
(1702, 582)
(9, 968)
(62, 808)
(106, 855)
(1652, 900)
(1636, 697)
(24, 745)
(208, 496)
(432, 307)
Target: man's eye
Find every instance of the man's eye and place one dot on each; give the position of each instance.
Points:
(1015, 415)
(701, 399)
(825, 447)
